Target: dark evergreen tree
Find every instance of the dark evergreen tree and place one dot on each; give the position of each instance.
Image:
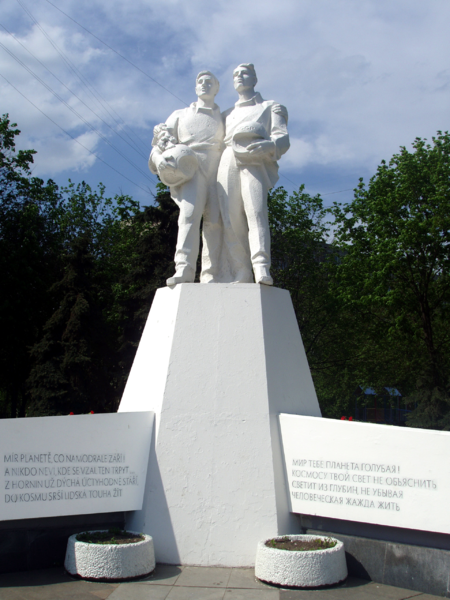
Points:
(71, 370)
(75, 362)
(151, 263)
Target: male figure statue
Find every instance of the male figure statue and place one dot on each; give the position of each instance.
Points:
(186, 154)
(255, 138)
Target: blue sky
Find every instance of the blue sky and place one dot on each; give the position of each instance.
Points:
(360, 78)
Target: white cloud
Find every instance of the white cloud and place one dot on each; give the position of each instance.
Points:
(359, 77)
(57, 154)
(321, 150)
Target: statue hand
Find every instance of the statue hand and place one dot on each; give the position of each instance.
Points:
(161, 163)
(261, 148)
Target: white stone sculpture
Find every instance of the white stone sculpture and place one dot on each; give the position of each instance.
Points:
(186, 154)
(255, 138)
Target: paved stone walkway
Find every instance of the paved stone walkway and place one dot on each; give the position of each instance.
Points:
(185, 583)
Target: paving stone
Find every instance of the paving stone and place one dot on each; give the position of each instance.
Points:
(245, 578)
(200, 583)
(67, 591)
(353, 594)
(196, 593)
(51, 583)
(306, 595)
(46, 593)
(353, 588)
(99, 590)
(267, 594)
(72, 588)
(164, 575)
(137, 591)
(391, 592)
(11, 594)
(39, 577)
(104, 593)
(210, 577)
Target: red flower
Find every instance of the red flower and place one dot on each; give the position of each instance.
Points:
(92, 412)
(350, 418)
(343, 418)
(71, 413)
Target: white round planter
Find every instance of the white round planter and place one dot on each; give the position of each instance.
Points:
(308, 569)
(109, 561)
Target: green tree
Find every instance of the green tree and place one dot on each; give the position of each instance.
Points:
(75, 361)
(299, 254)
(303, 262)
(70, 371)
(79, 271)
(28, 261)
(394, 276)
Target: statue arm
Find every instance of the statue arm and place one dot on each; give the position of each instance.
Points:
(279, 133)
(279, 137)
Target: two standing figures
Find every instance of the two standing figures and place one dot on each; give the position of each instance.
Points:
(220, 167)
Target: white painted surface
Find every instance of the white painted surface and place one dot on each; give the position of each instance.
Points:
(77, 464)
(301, 569)
(370, 473)
(109, 561)
(217, 364)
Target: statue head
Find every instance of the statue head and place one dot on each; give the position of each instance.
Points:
(206, 85)
(244, 77)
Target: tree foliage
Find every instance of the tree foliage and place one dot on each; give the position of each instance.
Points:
(80, 270)
(304, 262)
(74, 362)
(28, 262)
(394, 274)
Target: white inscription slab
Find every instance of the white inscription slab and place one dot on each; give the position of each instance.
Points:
(77, 464)
(371, 473)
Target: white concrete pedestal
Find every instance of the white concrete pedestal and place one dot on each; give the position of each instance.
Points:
(217, 364)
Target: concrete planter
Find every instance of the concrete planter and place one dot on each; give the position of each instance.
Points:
(301, 569)
(109, 562)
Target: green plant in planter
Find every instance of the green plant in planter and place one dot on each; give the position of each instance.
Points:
(115, 535)
(286, 543)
